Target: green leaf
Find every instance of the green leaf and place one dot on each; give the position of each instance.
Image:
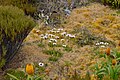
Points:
(103, 70)
(118, 59)
(38, 78)
(12, 76)
(117, 69)
(110, 71)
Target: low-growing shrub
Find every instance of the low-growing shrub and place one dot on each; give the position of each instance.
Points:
(14, 27)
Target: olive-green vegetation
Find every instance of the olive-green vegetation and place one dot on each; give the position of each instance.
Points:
(113, 3)
(53, 53)
(28, 6)
(14, 27)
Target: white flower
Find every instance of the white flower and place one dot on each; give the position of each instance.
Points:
(54, 43)
(97, 44)
(102, 46)
(53, 31)
(41, 64)
(57, 31)
(54, 28)
(42, 15)
(57, 37)
(64, 45)
(106, 43)
(72, 36)
(68, 35)
(46, 22)
(101, 42)
(47, 17)
(38, 31)
(45, 37)
(63, 33)
(50, 41)
(62, 39)
(53, 40)
(41, 35)
(60, 29)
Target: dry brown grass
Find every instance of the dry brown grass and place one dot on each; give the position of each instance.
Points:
(95, 17)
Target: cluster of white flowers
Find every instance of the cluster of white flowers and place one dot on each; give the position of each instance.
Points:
(44, 36)
(54, 30)
(51, 35)
(60, 29)
(70, 35)
(102, 44)
(56, 35)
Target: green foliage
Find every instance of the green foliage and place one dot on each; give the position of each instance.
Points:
(41, 45)
(67, 48)
(2, 60)
(13, 21)
(12, 76)
(14, 25)
(53, 58)
(27, 6)
(15, 75)
(106, 69)
(116, 54)
(20, 75)
(113, 3)
(52, 45)
(99, 71)
(53, 53)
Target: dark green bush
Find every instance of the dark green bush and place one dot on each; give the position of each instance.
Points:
(113, 3)
(14, 27)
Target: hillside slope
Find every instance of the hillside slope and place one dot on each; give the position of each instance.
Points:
(90, 24)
